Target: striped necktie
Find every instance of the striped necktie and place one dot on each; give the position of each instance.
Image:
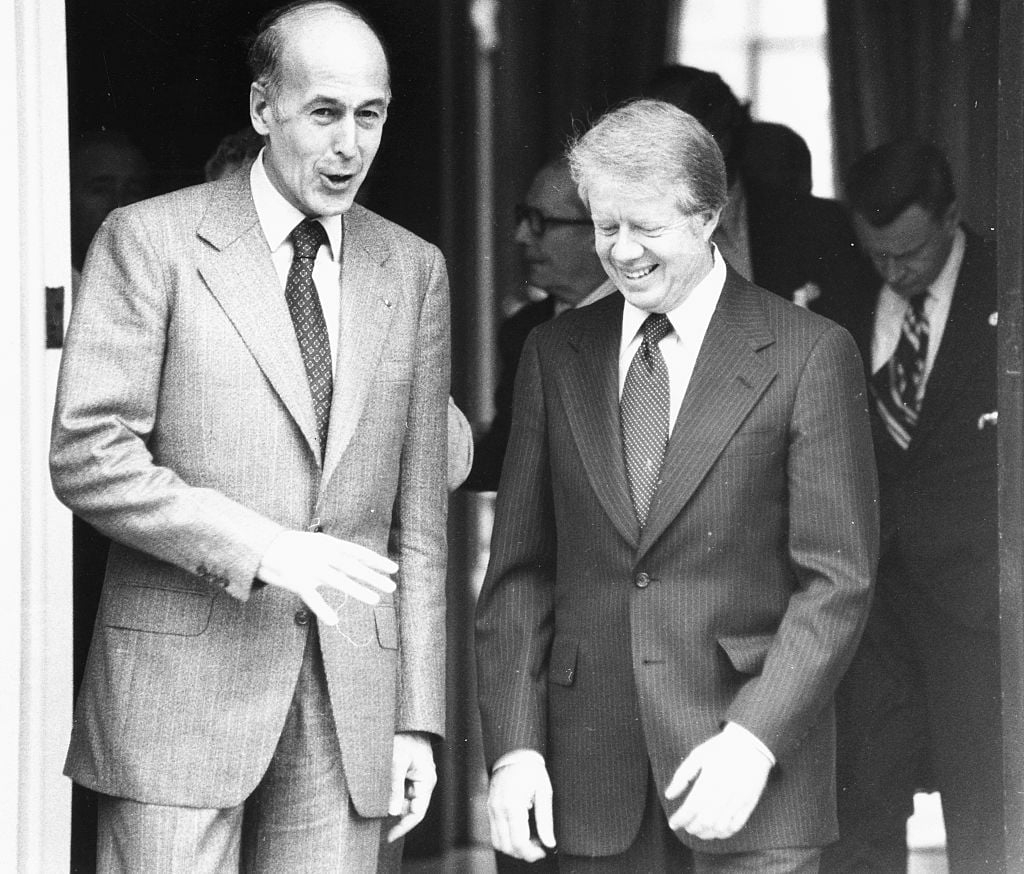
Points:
(898, 386)
(644, 414)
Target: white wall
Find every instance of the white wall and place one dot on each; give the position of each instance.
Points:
(35, 596)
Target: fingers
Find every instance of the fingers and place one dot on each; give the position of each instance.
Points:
(368, 557)
(544, 816)
(324, 612)
(515, 789)
(684, 775)
(417, 801)
(413, 777)
(728, 778)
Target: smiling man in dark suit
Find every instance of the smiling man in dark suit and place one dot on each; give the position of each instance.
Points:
(920, 707)
(684, 543)
(252, 407)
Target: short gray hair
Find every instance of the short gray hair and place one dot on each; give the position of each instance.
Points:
(652, 145)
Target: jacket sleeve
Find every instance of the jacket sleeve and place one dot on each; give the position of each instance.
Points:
(514, 619)
(108, 395)
(419, 523)
(833, 548)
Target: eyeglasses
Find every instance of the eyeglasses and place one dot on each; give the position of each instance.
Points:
(538, 223)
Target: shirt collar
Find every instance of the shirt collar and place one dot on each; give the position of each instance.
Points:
(278, 217)
(693, 314)
(945, 282)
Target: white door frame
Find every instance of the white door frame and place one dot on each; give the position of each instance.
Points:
(35, 532)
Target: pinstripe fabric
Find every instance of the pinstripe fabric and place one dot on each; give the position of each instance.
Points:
(606, 647)
(185, 430)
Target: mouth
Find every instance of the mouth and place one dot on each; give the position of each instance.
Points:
(337, 181)
(639, 273)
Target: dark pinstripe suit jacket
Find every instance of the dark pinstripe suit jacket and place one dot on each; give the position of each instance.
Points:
(607, 648)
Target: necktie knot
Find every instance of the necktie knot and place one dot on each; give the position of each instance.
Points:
(917, 303)
(307, 238)
(656, 328)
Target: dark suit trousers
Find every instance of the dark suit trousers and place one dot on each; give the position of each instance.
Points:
(918, 709)
(299, 818)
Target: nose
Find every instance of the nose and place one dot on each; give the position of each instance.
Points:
(625, 247)
(892, 270)
(345, 136)
(523, 236)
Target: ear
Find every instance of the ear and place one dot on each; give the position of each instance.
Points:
(710, 219)
(259, 108)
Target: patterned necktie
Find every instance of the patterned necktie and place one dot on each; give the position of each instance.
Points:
(899, 382)
(308, 319)
(644, 413)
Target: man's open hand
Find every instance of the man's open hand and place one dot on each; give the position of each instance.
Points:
(302, 562)
(515, 788)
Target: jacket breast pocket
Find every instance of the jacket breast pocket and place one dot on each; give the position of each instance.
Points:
(158, 611)
(562, 664)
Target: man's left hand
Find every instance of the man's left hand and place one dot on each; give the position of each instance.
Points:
(728, 775)
(413, 777)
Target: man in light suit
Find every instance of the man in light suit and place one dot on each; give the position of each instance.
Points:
(920, 707)
(684, 543)
(252, 406)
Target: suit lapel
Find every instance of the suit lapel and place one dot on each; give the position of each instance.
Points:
(589, 387)
(966, 327)
(239, 272)
(727, 382)
(370, 296)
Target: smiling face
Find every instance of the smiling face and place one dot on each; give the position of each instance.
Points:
(654, 252)
(324, 123)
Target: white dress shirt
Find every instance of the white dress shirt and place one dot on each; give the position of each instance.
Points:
(892, 307)
(278, 219)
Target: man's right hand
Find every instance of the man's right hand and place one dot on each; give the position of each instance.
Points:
(515, 788)
(302, 562)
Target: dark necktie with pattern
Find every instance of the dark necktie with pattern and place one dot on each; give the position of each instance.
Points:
(644, 413)
(308, 319)
(898, 384)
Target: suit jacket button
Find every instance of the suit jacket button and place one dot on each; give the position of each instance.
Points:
(642, 580)
(302, 617)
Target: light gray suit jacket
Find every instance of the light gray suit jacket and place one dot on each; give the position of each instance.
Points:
(184, 430)
(615, 651)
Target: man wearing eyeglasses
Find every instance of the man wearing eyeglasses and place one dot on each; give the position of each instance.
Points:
(920, 706)
(555, 236)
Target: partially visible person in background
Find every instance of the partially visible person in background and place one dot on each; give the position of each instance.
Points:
(777, 156)
(108, 170)
(235, 151)
(920, 705)
(798, 246)
(555, 237)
